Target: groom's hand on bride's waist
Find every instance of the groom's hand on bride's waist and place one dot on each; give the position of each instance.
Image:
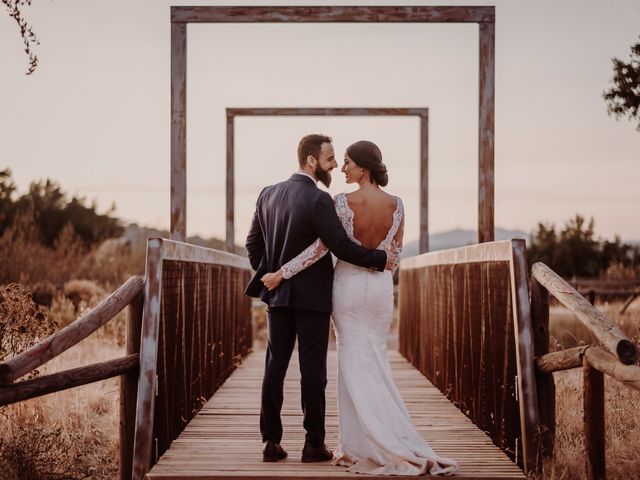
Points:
(272, 280)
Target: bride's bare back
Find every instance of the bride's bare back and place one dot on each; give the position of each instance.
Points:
(373, 215)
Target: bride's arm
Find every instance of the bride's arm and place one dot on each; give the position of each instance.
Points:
(395, 246)
(305, 259)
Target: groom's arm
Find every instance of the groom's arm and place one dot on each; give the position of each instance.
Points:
(327, 225)
(255, 242)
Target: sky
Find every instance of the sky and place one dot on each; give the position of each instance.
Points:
(95, 116)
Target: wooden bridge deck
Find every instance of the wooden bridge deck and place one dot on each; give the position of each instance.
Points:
(223, 440)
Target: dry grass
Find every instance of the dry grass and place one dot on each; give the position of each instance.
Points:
(69, 434)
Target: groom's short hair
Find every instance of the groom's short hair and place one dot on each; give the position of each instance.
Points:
(311, 145)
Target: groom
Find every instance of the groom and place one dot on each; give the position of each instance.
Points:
(289, 217)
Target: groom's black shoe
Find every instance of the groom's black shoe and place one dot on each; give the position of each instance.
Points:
(316, 454)
(273, 452)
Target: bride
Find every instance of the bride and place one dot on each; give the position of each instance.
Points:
(376, 433)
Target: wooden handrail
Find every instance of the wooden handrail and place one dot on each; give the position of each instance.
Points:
(610, 336)
(74, 377)
(605, 362)
(561, 360)
(594, 361)
(71, 334)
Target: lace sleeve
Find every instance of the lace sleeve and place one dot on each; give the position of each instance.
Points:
(396, 242)
(305, 259)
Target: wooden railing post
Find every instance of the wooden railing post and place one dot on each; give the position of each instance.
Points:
(594, 421)
(129, 389)
(546, 388)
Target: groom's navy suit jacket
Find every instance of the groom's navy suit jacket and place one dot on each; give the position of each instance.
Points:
(289, 217)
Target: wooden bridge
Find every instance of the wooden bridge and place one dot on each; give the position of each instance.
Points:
(473, 362)
(472, 365)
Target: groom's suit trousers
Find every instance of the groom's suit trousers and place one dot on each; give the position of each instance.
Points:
(312, 330)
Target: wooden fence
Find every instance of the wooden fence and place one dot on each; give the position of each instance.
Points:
(189, 325)
(615, 357)
(195, 329)
(460, 311)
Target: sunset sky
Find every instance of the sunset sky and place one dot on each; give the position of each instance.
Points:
(95, 116)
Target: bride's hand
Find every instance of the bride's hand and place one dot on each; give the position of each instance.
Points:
(391, 257)
(272, 280)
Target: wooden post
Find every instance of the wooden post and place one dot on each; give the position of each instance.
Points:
(594, 421)
(129, 389)
(527, 391)
(486, 147)
(546, 388)
(179, 131)
(230, 239)
(424, 183)
(150, 331)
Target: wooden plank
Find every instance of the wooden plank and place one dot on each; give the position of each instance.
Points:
(328, 111)
(545, 386)
(486, 231)
(485, 252)
(351, 14)
(424, 183)
(129, 389)
(223, 440)
(70, 335)
(178, 131)
(74, 377)
(561, 360)
(528, 397)
(187, 252)
(230, 233)
(146, 396)
(602, 328)
(594, 440)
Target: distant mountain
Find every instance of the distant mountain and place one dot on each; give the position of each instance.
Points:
(137, 238)
(459, 238)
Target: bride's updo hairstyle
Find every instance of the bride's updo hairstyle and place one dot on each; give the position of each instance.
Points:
(367, 155)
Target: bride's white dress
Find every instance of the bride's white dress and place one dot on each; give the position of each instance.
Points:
(376, 433)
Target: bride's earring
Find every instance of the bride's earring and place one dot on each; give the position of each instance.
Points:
(361, 173)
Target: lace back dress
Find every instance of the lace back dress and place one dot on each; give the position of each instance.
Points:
(376, 432)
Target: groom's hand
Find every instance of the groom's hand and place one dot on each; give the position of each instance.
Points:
(272, 280)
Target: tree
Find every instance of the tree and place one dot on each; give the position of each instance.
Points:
(28, 37)
(623, 98)
(574, 251)
(49, 209)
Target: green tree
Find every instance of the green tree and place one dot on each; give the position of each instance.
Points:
(578, 252)
(51, 210)
(574, 250)
(623, 98)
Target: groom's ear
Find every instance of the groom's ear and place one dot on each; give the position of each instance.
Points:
(311, 161)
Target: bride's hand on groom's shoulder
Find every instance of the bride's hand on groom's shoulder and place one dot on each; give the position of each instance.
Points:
(272, 280)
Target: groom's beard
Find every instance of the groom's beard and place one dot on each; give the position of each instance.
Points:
(323, 176)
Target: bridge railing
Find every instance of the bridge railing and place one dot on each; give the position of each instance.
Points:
(189, 325)
(127, 295)
(615, 356)
(196, 327)
(460, 311)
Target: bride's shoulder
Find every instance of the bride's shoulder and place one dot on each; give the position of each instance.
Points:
(339, 197)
